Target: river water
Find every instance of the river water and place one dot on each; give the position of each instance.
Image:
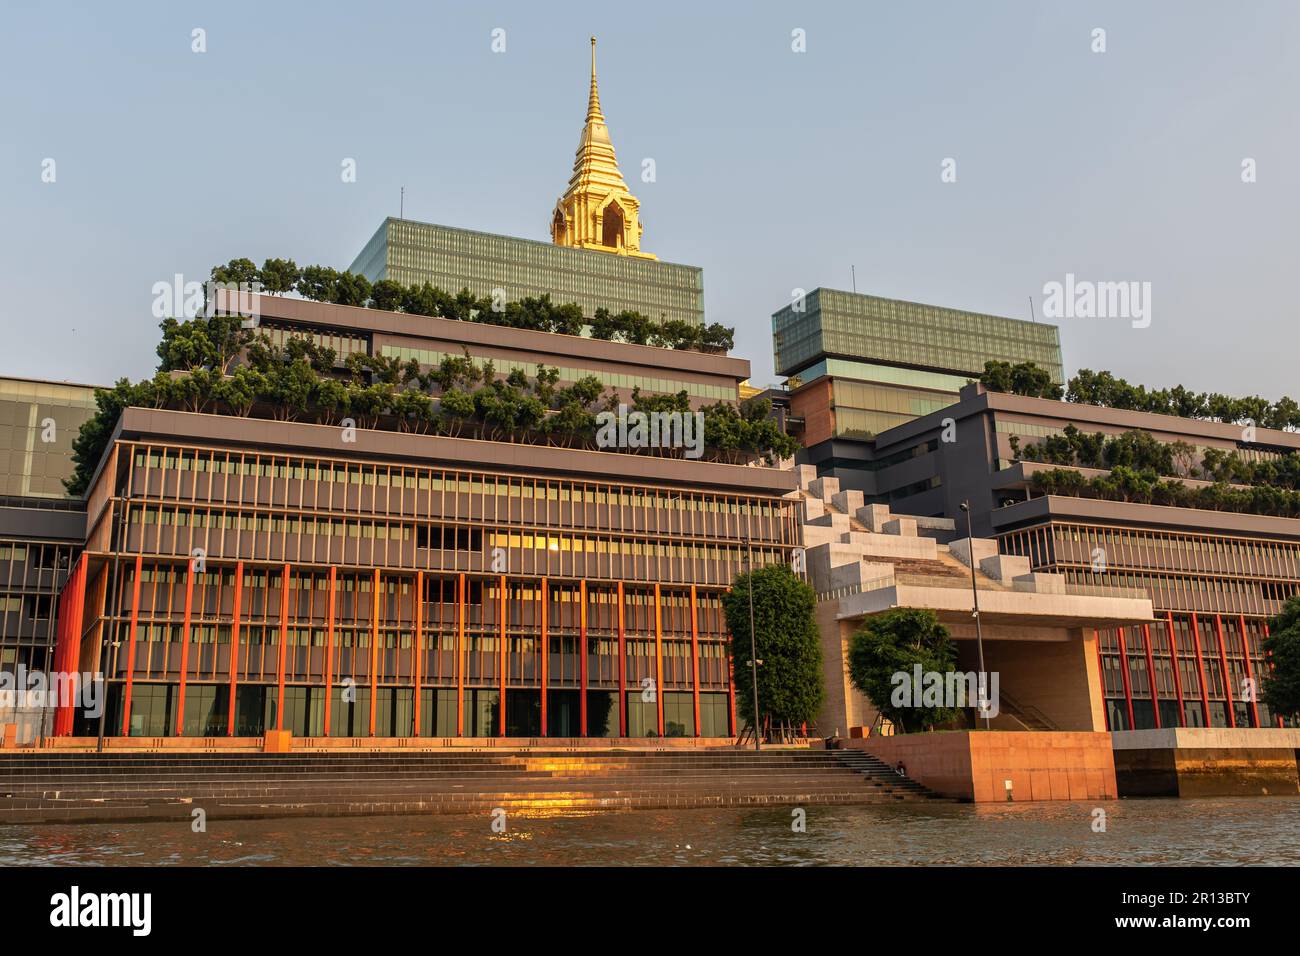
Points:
(1137, 832)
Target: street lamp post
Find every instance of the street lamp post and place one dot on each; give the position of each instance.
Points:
(979, 631)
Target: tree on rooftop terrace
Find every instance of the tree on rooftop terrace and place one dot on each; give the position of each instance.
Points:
(1104, 389)
(1022, 378)
(280, 276)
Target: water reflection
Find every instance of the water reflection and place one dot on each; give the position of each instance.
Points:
(1146, 832)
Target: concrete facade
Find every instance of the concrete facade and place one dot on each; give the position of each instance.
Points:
(1038, 631)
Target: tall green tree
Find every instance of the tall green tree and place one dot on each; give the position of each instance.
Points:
(891, 644)
(1280, 687)
(790, 689)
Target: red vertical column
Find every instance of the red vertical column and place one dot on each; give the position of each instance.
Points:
(284, 639)
(622, 667)
(501, 653)
(1151, 674)
(234, 646)
(1250, 673)
(1123, 673)
(185, 647)
(460, 655)
(582, 658)
(546, 648)
(374, 651)
(659, 662)
(329, 648)
(695, 659)
(1173, 657)
(1227, 675)
(1200, 668)
(415, 652)
(73, 600)
(130, 648)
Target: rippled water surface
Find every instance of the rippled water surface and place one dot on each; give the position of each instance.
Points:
(1151, 832)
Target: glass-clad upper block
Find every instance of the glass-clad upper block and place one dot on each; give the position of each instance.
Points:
(452, 259)
(829, 323)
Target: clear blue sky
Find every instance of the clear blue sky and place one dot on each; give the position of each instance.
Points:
(776, 170)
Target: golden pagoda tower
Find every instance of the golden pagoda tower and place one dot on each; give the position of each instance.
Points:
(597, 211)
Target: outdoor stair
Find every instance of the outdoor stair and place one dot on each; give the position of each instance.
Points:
(880, 774)
(53, 787)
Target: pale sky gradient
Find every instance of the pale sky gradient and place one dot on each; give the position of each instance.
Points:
(776, 170)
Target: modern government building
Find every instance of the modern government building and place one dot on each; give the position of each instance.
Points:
(235, 575)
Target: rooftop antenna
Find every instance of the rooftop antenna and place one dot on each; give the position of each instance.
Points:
(1033, 318)
(401, 209)
(853, 271)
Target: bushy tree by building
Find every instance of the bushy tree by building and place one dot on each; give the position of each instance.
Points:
(1280, 687)
(894, 643)
(1022, 378)
(790, 690)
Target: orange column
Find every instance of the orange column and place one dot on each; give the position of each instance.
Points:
(1173, 657)
(71, 659)
(731, 695)
(329, 648)
(460, 661)
(582, 657)
(695, 658)
(1250, 672)
(1227, 675)
(622, 668)
(501, 668)
(1200, 668)
(659, 663)
(234, 646)
(1123, 673)
(185, 647)
(546, 649)
(415, 652)
(374, 651)
(284, 638)
(130, 648)
(1151, 673)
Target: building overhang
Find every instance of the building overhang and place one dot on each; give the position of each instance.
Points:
(1045, 508)
(1008, 611)
(228, 431)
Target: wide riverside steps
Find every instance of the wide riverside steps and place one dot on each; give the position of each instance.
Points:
(45, 787)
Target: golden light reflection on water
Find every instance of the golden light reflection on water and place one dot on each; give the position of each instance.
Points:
(1141, 832)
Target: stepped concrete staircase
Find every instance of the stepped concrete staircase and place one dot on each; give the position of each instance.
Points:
(856, 550)
(880, 774)
(853, 546)
(59, 788)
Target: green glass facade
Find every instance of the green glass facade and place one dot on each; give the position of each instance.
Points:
(38, 422)
(451, 259)
(867, 328)
(891, 361)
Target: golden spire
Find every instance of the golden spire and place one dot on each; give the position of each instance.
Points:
(593, 99)
(597, 211)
